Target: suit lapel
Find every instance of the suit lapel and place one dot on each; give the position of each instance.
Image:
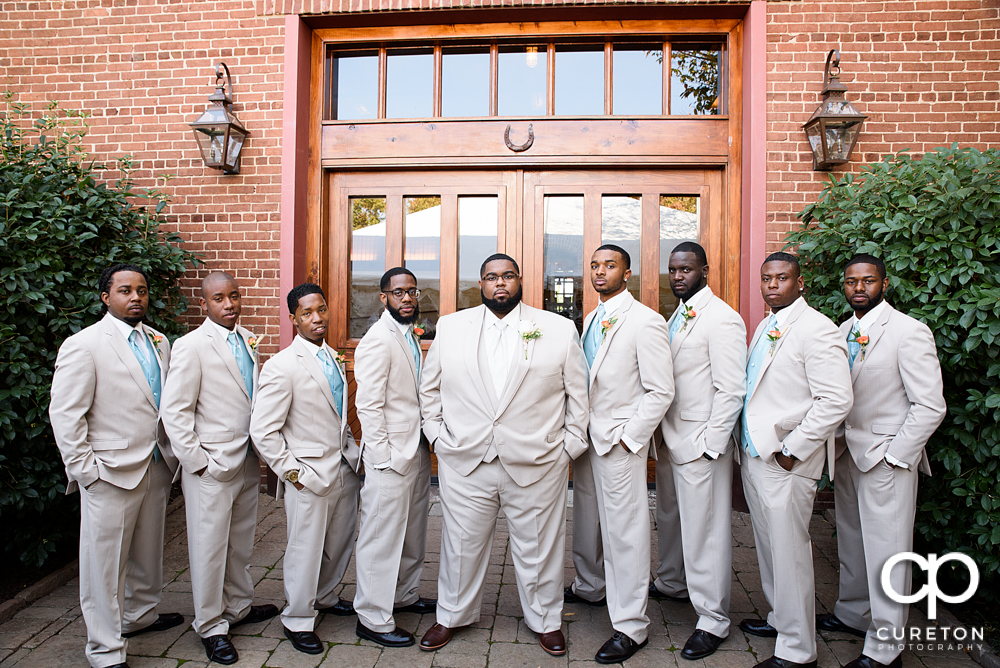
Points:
(160, 355)
(793, 315)
(125, 354)
(874, 333)
(308, 359)
(398, 338)
(222, 349)
(602, 352)
(474, 332)
(246, 335)
(685, 329)
(525, 349)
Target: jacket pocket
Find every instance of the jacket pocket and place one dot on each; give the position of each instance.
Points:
(696, 416)
(622, 413)
(299, 453)
(790, 425)
(220, 437)
(554, 436)
(397, 427)
(886, 429)
(115, 444)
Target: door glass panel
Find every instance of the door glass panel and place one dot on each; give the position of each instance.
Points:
(562, 245)
(409, 83)
(367, 262)
(521, 79)
(579, 79)
(679, 221)
(477, 240)
(422, 255)
(465, 82)
(354, 84)
(637, 79)
(694, 79)
(621, 225)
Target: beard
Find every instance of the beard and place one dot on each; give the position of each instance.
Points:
(409, 320)
(685, 296)
(133, 321)
(869, 305)
(501, 305)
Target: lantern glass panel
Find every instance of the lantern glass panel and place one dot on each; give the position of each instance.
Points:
(211, 141)
(236, 139)
(815, 141)
(839, 139)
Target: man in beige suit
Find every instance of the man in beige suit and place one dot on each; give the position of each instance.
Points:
(104, 412)
(898, 403)
(798, 391)
(299, 426)
(708, 343)
(503, 395)
(631, 386)
(396, 493)
(206, 413)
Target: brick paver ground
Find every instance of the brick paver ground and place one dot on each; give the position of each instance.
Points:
(51, 633)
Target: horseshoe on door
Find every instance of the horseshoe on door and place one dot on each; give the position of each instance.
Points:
(519, 148)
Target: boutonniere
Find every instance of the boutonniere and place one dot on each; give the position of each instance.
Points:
(529, 331)
(608, 324)
(774, 336)
(688, 314)
(419, 331)
(860, 339)
(341, 358)
(157, 339)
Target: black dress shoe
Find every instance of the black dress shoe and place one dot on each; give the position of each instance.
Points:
(701, 644)
(394, 638)
(220, 649)
(868, 662)
(342, 608)
(618, 648)
(422, 606)
(658, 595)
(258, 613)
(306, 642)
(570, 597)
(119, 665)
(775, 662)
(832, 623)
(165, 621)
(758, 627)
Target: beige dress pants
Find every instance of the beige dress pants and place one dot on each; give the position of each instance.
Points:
(588, 550)
(670, 576)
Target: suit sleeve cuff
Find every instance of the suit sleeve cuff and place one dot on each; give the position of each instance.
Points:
(895, 462)
(711, 454)
(631, 443)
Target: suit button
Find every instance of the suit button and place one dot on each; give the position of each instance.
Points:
(848, 426)
(496, 423)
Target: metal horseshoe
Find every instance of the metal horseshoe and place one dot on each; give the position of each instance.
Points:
(523, 147)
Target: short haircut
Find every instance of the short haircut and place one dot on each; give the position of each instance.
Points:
(104, 282)
(865, 258)
(781, 256)
(300, 291)
(215, 276)
(395, 271)
(499, 256)
(691, 247)
(626, 258)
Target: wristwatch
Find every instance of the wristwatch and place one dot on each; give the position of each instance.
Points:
(292, 476)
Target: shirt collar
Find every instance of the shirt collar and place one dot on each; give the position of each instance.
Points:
(868, 319)
(222, 330)
(511, 319)
(612, 305)
(125, 328)
(781, 317)
(699, 299)
(316, 349)
(403, 329)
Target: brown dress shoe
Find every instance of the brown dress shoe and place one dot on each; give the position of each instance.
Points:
(553, 642)
(437, 637)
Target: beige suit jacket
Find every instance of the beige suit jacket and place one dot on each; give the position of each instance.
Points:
(293, 423)
(543, 410)
(710, 361)
(206, 406)
(631, 379)
(803, 390)
(386, 400)
(898, 393)
(102, 409)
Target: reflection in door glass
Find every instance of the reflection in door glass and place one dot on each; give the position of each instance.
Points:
(521, 79)
(477, 240)
(637, 79)
(355, 85)
(422, 256)
(621, 225)
(367, 263)
(579, 79)
(563, 256)
(465, 82)
(679, 221)
(694, 79)
(409, 83)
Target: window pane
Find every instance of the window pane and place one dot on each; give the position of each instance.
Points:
(409, 84)
(355, 85)
(579, 79)
(621, 225)
(477, 240)
(679, 216)
(694, 79)
(637, 79)
(521, 79)
(465, 82)
(563, 255)
(367, 263)
(422, 255)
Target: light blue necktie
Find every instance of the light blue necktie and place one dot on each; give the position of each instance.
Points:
(150, 368)
(677, 322)
(414, 349)
(754, 365)
(853, 347)
(332, 377)
(592, 343)
(243, 360)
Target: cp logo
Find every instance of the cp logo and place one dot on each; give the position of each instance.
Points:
(930, 591)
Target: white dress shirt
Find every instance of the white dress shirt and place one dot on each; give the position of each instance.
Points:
(127, 329)
(222, 330)
(501, 345)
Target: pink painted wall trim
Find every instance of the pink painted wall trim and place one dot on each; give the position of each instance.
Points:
(754, 214)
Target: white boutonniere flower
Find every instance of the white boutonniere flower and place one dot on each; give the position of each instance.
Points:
(528, 331)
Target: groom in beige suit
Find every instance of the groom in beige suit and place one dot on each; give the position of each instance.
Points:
(104, 412)
(898, 403)
(396, 493)
(503, 395)
(798, 391)
(299, 426)
(708, 344)
(206, 413)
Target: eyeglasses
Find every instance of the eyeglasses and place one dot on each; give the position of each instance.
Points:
(399, 292)
(507, 278)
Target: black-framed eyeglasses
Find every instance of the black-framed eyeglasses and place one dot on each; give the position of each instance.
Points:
(507, 278)
(399, 292)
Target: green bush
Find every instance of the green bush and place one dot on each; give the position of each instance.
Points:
(935, 222)
(59, 228)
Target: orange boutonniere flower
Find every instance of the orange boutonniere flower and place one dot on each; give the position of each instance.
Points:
(156, 339)
(607, 325)
(774, 336)
(341, 358)
(252, 341)
(860, 339)
(688, 314)
(419, 331)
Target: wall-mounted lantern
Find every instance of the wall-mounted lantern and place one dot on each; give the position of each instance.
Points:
(834, 127)
(220, 135)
